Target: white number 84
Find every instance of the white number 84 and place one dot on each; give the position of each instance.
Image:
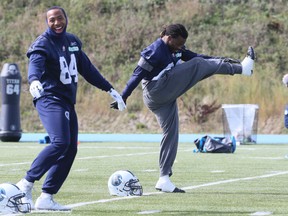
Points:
(67, 72)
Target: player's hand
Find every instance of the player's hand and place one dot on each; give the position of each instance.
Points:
(119, 102)
(36, 89)
(285, 80)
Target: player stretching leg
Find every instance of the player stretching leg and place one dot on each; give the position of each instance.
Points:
(167, 69)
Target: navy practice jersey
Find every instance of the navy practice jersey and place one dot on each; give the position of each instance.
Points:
(56, 61)
(286, 116)
(155, 60)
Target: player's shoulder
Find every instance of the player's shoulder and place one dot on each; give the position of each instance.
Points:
(74, 40)
(41, 40)
(156, 49)
(156, 46)
(39, 44)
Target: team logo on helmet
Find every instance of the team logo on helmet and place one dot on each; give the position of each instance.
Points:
(116, 180)
(2, 194)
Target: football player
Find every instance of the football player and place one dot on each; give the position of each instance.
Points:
(167, 69)
(55, 58)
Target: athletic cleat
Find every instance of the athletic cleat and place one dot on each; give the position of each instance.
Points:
(251, 53)
(178, 190)
(49, 204)
(167, 186)
(248, 62)
(26, 187)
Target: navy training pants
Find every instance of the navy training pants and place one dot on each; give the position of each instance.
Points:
(60, 121)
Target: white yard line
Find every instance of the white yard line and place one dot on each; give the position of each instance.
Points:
(235, 180)
(119, 155)
(95, 157)
(75, 205)
(16, 164)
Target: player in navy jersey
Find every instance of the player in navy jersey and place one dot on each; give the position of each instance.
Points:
(55, 59)
(167, 70)
(285, 82)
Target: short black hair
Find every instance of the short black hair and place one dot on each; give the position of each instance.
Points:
(56, 7)
(174, 30)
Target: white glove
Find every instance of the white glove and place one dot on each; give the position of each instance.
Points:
(117, 97)
(36, 89)
(285, 80)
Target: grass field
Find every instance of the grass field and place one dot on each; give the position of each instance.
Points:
(252, 181)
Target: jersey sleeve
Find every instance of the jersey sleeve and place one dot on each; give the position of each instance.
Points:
(36, 66)
(150, 58)
(91, 74)
(37, 54)
(138, 74)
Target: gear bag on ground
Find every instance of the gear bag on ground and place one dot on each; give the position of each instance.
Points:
(208, 144)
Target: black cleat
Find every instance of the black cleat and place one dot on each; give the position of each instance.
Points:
(251, 53)
(178, 190)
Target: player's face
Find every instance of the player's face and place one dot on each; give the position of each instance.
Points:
(175, 44)
(56, 20)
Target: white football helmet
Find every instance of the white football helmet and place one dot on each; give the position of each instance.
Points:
(10, 199)
(124, 183)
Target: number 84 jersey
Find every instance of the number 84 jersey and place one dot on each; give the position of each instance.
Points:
(56, 61)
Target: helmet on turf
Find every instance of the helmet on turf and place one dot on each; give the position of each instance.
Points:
(124, 183)
(10, 199)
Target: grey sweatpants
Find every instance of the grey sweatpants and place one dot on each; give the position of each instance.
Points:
(161, 98)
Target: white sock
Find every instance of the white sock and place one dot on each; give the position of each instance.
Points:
(27, 182)
(164, 178)
(247, 66)
(45, 195)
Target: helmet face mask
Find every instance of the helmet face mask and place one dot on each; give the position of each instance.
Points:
(10, 199)
(124, 183)
(133, 187)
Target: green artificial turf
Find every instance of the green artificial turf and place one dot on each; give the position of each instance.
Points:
(252, 181)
